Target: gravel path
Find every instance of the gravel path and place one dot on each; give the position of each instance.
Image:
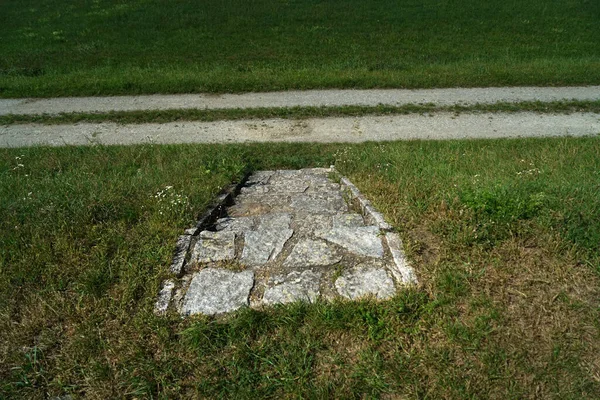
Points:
(298, 98)
(323, 130)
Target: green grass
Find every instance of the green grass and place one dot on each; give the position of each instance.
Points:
(503, 235)
(102, 47)
(162, 116)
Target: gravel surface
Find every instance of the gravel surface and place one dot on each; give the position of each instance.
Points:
(297, 98)
(324, 130)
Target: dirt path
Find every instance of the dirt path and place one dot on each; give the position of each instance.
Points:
(360, 129)
(298, 98)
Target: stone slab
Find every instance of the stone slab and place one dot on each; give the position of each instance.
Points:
(181, 248)
(361, 240)
(296, 286)
(319, 203)
(265, 244)
(216, 291)
(214, 246)
(308, 253)
(365, 281)
(236, 225)
(347, 220)
(164, 297)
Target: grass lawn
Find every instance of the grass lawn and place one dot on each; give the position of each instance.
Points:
(60, 48)
(504, 236)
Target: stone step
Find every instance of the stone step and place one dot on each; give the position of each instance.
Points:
(290, 235)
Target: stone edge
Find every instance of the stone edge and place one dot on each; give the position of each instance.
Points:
(184, 241)
(403, 273)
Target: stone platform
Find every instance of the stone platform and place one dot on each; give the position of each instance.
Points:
(290, 235)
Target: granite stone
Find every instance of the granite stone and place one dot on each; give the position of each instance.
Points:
(214, 291)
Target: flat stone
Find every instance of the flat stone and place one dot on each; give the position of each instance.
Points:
(267, 241)
(260, 177)
(237, 225)
(248, 208)
(403, 272)
(361, 240)
(322, 187)
(307, 224)
(290, 186)
(365, 281)
(319, 203)
(164, 297)
(274, 221)
(348, 220)
(254, 189)
(214, 246)
(181, 248)
(269, 199)
(311, 253)
(215, 291)
(296, 286)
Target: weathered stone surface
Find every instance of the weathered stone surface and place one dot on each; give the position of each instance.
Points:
(365, 281)
(260, 177)
(214, 246)
(274, 221)
(375, 217)
(183, 244)
(307, 253)
(255, 190)
(215, 291)
(297, 232)
(190, 231)
(362, 240)
(348, 220)
(403, 272)
(296, 286)
(295, 183)
(306, 224)
(249, 208)
(237, 225)
(319, 203)
(164, 297)
(267, 241)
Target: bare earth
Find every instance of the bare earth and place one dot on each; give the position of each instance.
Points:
(357, 129)
(314, 98)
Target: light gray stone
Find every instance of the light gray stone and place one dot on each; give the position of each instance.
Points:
(290, 186)
(403, 272)
(361, 240)
(260, 177)
(365, 281)
(376, 218)
(215, 291)
(267, 241)
(319, 203)
(274, 221)
(181, 248)
(237, 225)
(348, 220)
(296, 286)
(271, 200)
(214, 246)
(307, 253)
(306, 224)
(255, 189)
(264, 245)
(190, 231)
(164, 297)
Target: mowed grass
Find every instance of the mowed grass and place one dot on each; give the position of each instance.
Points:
(504, 236)
(60, 48)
